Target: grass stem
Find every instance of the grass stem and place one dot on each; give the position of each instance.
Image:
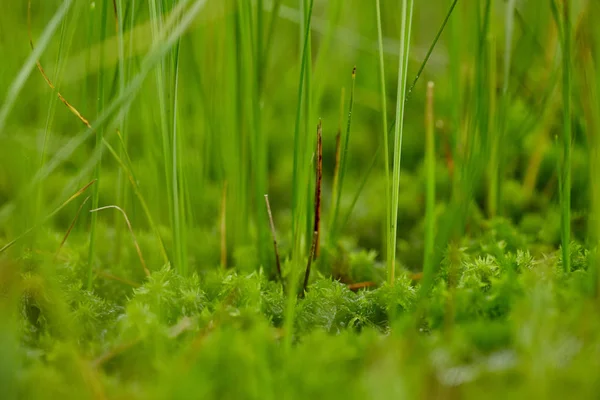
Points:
(430, 165)
(405, 34)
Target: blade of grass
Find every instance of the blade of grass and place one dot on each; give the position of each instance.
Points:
(275, 248)
(493, 131)
(566, 138)
(338, 156)
(595, 150)
(298, 157)
(99, 137)
(121, 188)
(250, 77)
(430, 182)
(298, 192)
(314, 250)
(223, 226)
(502, 123)
(334, 230)
(429, 51)
(405, 34)
(563, 23)
(177, 174)
(384, 123)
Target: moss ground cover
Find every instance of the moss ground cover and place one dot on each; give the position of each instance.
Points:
(299, 198)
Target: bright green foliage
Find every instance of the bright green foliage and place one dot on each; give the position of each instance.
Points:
(458, 253)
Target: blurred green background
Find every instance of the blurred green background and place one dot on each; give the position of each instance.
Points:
(194, 115)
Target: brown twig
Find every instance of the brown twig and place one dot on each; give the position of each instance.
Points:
(309, 263)
(317, 225)
(277, 260)
(314, 249)
(360, 285)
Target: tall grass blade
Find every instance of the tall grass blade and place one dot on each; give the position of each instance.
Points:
(99, 137)
(299, 200)
(343, 162)
(563, 22)
(384, 123)
(430, 165)
(135, 242)
(405, 34)
(430, 50)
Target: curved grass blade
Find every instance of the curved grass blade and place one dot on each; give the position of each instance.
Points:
(135, 242)
(48, 217)
(430, 50)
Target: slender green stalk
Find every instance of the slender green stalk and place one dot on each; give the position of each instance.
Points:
(179, 221)
(250, 75)
(299, 157)
(430, 50)
(167, 80)
(405, 33)
(307, 144)
(494, 160)
(505, 99)
(99, 139)
(122, 184)
(590, 80)
(298, 195)
(567, 128)
(384, 123)
(479, 136)
(156, 25)
(338, 155)
(264, 60)
(595, 154)
(343, 162)
(430, 173)
(564, 21)
(260, 44)
(456, 85)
